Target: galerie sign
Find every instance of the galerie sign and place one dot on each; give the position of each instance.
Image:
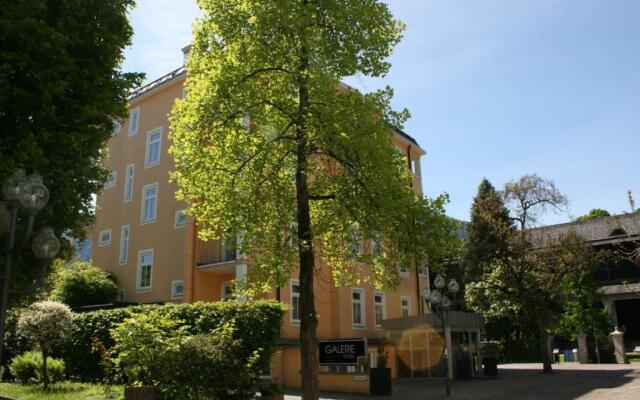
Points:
(342, 351)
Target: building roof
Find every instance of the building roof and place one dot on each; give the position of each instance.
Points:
(156, 84)
(142, 90)
(602, 230)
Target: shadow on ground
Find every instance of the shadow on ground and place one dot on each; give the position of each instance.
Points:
(523, 382)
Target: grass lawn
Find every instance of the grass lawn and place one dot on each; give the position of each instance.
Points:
(61, 391)
(634, 358)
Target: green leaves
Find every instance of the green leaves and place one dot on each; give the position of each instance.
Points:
(61, 90)
(280, 63)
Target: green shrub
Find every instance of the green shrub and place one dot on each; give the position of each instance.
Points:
(145, 344)
(257, 326)
(83, 284)
(215, 366)
(27, 368)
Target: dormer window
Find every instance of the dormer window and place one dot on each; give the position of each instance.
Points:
(618, 232)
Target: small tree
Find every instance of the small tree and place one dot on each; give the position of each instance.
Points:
(83, 284)
(46, 323)
(594, 213)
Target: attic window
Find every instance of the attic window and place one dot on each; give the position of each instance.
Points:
(618, 232)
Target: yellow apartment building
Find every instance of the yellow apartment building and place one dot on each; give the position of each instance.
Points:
(143, 236)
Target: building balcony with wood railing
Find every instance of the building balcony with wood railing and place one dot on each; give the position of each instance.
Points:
(214, 252)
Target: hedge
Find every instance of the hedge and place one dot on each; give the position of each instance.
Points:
(258, 327)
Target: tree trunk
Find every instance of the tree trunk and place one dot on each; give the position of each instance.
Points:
(544, 349)
(308, 319)
(45, 374)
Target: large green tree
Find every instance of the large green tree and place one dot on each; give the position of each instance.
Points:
(269, 146)
(61, 90)
(524, 280)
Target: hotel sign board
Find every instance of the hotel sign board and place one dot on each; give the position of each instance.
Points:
(342, 351)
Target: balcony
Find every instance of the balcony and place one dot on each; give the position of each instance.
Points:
(214, 252)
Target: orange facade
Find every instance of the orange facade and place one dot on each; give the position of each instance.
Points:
(142, 236)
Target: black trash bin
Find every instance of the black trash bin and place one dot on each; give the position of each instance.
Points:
(380, 381)
(490, 366)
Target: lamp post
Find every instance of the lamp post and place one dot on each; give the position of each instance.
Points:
(440, 303)
(30, 195)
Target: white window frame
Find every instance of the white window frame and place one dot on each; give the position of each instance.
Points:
(139, 288)
(112, 178)
(405, 271)
(179, 213)
(117, 128)
(296, 282)
(102, 243)
(408, 307)
(128, 183)
(144, 201)
(363, 314)
(123, 259)
(372, 357)
(174, 294)
(384, 308)
(133, 129)
(147, 163)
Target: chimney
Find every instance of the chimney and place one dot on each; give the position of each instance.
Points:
(185, 51)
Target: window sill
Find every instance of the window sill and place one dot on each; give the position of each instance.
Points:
(147, 222)
(144, 290)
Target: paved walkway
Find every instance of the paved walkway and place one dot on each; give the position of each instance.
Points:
(524, 382)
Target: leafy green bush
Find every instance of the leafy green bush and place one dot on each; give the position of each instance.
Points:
(27, 368)
(215, 365)
(145, 344)
(257, 327)
(83, 284)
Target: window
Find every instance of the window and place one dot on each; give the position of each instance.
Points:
(227, 291)
(154, 142)
(83, 250)
(373, 358)
(117, 127)
(134, 118)
(357, 308)
(295, 302)
(145, 265)
(121, 295)
(415, 166)
(128, 183)
(404, 271)
(149, 203)
(377, 247)
(424, 271)
(177, 290)
(246, 121)
(180, 219)
(405, 306)
(104, 238)
(124, 244)
(356, 242)
(111, 180)
(379, 311)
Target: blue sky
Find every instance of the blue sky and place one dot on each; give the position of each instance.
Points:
(496, 89)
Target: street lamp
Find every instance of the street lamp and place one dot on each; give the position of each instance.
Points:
(440, 304)
(31, 195)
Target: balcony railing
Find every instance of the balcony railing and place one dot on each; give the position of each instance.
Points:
(215, 252)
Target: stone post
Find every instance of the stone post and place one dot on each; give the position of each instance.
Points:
(583, 353)
(618, 345)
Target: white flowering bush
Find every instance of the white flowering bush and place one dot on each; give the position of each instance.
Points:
(45, 324)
